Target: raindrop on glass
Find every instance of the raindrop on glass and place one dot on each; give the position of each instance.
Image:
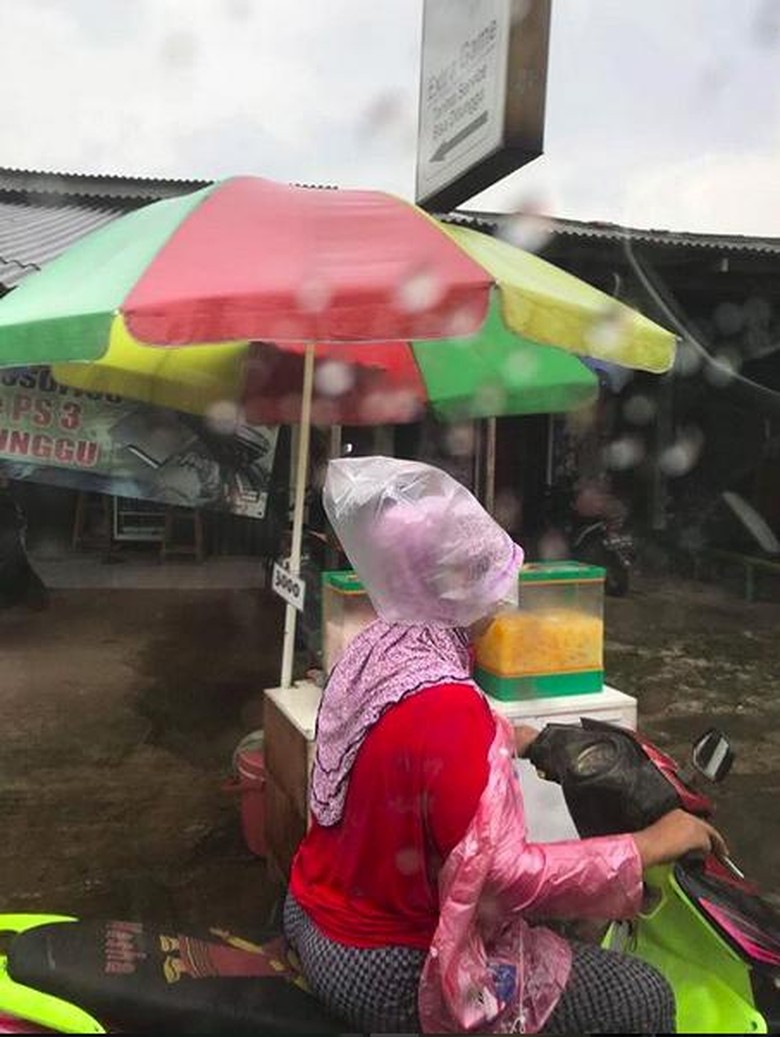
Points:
(224, 417)
(527, 229)
(624, 453)
(729, 318)
(607, 331)
(313, 295)
(688, 359)
(462, 323)
(179, 49)
(553, 546)
(459, 440)
(721, 371)
(758, 312)
(520, 366)
(679, 458)
(382, 114)
(639, 409)
(508, 509)
(420, 290)
(334, 378)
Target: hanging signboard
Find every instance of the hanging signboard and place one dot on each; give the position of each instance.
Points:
(482, 95)
(90, 441)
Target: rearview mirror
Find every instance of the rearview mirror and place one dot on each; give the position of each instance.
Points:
(712, 755)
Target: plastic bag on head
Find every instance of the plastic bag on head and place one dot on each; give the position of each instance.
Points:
(425, 549)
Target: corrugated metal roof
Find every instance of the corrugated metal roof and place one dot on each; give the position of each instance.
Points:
(85, 185)
(614, 232)
(31, 235)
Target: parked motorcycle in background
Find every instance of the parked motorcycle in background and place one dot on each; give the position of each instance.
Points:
(590, 525)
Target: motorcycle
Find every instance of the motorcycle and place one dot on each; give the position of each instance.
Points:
(60, 975)
(702, 924)
(596, 536)
(607, 543)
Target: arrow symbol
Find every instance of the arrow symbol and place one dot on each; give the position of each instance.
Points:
(446, 146)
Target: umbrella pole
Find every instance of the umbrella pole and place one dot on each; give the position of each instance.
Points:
(288, 648)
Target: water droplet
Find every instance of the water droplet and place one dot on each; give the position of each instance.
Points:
(728, 318)
(179, 48)
(459, 440)
(462, 322)
(408, 861)
(624, 453)
(679, 458)
(758, 312)
(224, 417)
(334, 378)
(721, 370)
(489, 400)
(519, 367)
(238, 9)
(382, 113)
(313, 295)
(527, 229)
(389, 408)
(520, 9)
(508, 509)
(553, 546)
(608, 330)
(421, 290)
(639, 409)
(688, 359)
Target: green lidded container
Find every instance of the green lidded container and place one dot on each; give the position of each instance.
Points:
(346, 610)
(552, 644)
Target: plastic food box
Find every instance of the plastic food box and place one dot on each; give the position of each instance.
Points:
(553, 642)
(346, 610)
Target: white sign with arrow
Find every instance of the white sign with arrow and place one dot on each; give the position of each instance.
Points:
(463, 87)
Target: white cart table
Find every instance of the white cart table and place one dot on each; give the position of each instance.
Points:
(290, 720)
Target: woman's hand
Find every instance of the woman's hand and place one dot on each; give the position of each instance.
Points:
(674, 835)
(524, 736)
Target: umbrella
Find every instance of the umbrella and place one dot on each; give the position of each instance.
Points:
(354, 383)
(248, 261)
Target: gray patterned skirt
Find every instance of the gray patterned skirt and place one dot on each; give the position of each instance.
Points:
(375, 989)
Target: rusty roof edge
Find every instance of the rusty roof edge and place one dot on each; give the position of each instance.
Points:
(616, 232)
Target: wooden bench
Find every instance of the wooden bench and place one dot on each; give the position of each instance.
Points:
(750, 563)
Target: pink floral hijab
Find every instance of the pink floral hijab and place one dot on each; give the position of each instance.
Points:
(433, 562)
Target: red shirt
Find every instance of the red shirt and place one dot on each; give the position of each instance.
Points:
(371, 880)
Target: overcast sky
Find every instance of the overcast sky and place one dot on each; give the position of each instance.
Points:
(662, 113)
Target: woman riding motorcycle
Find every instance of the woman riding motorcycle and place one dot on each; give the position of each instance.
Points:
(415, 899)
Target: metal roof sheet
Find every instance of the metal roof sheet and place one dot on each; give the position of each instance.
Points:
(31, 235)
(616, 233)
(101, 187)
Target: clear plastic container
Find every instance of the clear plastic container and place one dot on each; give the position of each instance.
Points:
(553, 643)
(346, 610)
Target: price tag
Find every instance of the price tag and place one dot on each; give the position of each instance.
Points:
(291, 588)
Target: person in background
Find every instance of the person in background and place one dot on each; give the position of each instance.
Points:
(415, 897)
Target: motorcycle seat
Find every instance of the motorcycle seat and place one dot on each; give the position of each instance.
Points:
(134, 978)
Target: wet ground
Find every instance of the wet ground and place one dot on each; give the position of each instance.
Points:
(119, 714)
(697, 656)
(120, 709)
